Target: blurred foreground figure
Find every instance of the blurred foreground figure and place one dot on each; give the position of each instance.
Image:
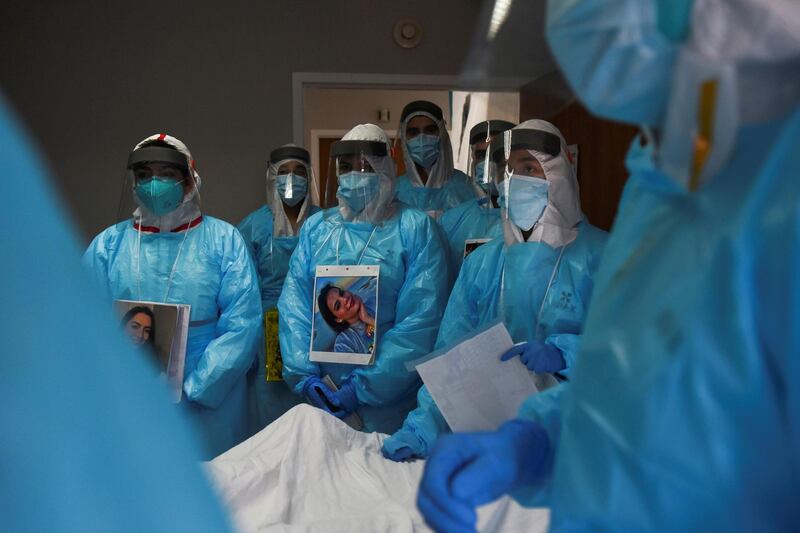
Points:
(682, 413)
(90, 441)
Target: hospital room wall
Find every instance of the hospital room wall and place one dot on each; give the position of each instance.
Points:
(92, 78)
(602, 145)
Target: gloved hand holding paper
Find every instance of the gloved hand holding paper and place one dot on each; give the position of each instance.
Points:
(473, 389)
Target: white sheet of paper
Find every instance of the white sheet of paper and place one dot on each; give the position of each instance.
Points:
(473, 389)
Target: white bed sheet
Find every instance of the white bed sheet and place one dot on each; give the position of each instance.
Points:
(310, 472)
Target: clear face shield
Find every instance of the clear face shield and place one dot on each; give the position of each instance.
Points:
(157, 180)
(291, 180)
(480, 166)
(357, 186)
(479, 160)
(519, 176)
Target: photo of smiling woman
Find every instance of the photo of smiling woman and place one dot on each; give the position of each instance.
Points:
(348, 306)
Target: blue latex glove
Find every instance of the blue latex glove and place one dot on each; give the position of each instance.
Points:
(537, 356)
(466, 470)
(345, 398)
(401, 446)
(320, 395)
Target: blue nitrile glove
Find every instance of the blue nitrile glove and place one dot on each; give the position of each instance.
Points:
(466, 470)
(537, 356)
(319, 395)
(402, 446)
(345, 398)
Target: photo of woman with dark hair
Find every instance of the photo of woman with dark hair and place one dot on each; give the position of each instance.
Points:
(140, 325)
(350, 314)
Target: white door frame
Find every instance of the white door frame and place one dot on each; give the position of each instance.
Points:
(300, 80)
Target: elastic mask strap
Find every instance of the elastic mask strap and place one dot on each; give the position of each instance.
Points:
(271, 255)
(139, 259)
(369, 240)
(503, 290)
(327, 238)
(363, 251)
(175, 264)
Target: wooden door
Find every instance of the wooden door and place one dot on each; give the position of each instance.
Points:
(322, 172)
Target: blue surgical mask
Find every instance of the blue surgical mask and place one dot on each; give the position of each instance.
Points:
(357, 189)
(527, 200)
(487, 186)
(160, 195)
(298, 188)
(424, 150)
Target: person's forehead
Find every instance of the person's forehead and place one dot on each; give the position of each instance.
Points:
(480, 146)
(354, 160)
(293, 163)
(157, 165)
(420, 121)
(142, 319)
(522, 154)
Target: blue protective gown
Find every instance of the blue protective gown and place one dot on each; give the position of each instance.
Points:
(268, 400)
(469, 220)
(411, 300)
(90, 439)
(456, 190)
(270, 254)
(214, 274)
(685, 400)
(528, 309)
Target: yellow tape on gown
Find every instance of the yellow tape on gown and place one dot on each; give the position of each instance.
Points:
(274, 361)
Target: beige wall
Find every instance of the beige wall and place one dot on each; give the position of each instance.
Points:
(93, 78)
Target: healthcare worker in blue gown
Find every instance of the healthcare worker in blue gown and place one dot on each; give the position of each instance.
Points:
(91, 441)
(430, 183)
(170, 253)
(366, 228)
(271, 234)
(683, 412)
(477, 218)
(537, 278)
